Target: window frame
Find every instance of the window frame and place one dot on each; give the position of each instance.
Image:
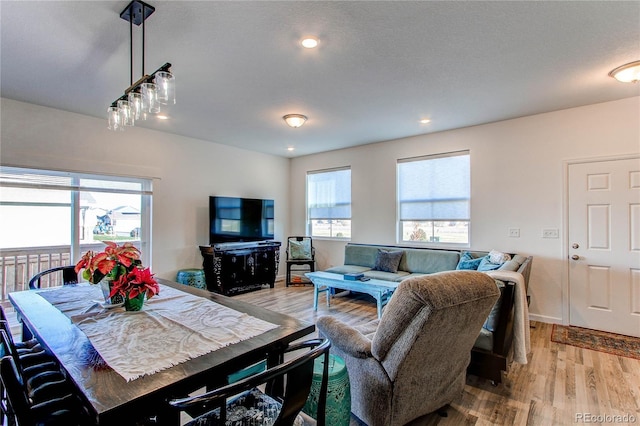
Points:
(309, 219)
(21, 177)
(400, 221)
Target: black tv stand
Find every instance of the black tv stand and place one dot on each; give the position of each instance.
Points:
(234, 268)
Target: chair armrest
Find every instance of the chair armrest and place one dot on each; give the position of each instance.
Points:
(344, 337)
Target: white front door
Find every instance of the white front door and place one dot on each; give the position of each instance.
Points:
(604, 245)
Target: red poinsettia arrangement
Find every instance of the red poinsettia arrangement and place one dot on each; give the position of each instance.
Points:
(122, 265)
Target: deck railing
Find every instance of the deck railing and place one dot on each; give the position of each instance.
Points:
(17, 266)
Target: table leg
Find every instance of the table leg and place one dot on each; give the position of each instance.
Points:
(379, 303)
(328, 296)
(315, 296)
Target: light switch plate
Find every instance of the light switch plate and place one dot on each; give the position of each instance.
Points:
(550, 233)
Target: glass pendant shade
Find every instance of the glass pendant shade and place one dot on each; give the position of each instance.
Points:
(166, 87)
(135, 102)
(113, 118)
(126, 116)
(150, 102)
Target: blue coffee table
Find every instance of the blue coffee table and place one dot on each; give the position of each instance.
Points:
(324, 281)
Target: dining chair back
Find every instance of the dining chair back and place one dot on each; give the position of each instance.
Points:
(69, 276)
(222, 403)
(57, 408)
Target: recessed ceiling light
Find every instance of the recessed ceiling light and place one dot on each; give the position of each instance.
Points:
(425, 121)
(162, 117)
(309, 42)
(290, 148)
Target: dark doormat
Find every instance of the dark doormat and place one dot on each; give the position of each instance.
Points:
(615, 344)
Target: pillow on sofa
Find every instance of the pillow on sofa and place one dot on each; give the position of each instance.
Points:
(487, 265)
(509, 265)
(498, 257)
(388, 261)
(468, 262)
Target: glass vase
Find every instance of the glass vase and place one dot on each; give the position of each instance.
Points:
(134, 303)
(105, 285)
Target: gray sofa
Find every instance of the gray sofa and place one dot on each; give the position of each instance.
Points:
(489, 356)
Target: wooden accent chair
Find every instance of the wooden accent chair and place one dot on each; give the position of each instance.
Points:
(300, 252)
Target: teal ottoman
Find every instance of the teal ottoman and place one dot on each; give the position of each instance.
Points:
(192, 277)
(338, 412)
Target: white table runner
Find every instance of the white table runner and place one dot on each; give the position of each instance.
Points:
(171, 328)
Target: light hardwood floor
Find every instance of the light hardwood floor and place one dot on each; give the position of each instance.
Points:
(561, 384)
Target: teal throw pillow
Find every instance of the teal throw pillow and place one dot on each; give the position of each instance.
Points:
(468, 262)
(300, 250)
(388, 261)
(486, 265)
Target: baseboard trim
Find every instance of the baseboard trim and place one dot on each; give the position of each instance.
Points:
(545, 318)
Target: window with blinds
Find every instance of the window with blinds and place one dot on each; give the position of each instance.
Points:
(434, 199)
(329, 203)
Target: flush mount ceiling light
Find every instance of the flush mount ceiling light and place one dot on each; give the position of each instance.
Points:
(146, 95)
(309, 42)
(425, 121)
(627, 73)
(294, 120)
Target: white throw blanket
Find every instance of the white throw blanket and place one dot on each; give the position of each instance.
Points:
(521, 332)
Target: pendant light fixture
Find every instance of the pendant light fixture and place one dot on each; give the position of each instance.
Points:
(147, 95)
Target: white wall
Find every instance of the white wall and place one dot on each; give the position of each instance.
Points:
(188, 171)
(517, 171)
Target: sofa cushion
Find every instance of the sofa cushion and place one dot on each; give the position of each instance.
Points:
(360, 255)
(347, 269)
(498, 257)
(408, 275)
(468, 262)
(426, 261)
(509, 265)
(388, 261)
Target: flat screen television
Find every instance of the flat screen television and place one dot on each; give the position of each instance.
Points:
(233, 219)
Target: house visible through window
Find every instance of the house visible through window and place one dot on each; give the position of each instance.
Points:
(329, 203)
(433, 199)
(69, 213)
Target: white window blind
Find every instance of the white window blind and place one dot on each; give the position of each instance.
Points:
(329, 194)
(434, 188)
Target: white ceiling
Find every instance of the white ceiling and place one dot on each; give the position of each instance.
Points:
(380, 66)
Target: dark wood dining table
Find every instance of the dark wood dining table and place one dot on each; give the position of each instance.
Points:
(115, 401)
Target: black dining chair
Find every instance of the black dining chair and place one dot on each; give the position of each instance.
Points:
(300, 252)
(48, 405)
(69, 276)
(243, 402)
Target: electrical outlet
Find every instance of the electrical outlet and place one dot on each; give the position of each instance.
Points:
(514, 232)
(550, 233)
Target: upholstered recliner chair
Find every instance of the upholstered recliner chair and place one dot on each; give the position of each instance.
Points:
(413, 360)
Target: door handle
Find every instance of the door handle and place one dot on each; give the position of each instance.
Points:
(575, 257)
